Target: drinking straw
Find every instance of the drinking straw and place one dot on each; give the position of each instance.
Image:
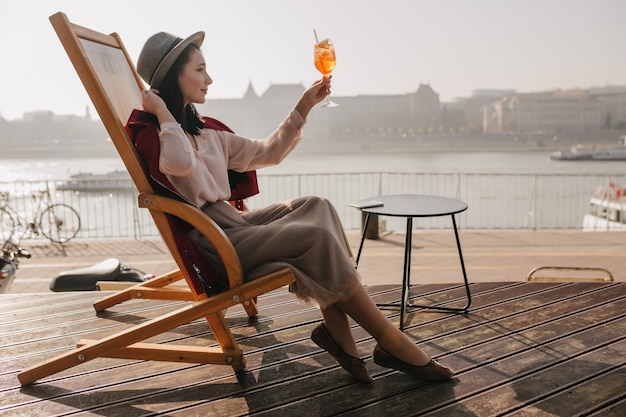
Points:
(315, 33)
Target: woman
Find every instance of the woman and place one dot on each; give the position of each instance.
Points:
(304, 233)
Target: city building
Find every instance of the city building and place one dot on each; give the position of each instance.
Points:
(559, 111)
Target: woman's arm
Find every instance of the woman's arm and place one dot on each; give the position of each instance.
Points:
(176, 157)
(245, 154)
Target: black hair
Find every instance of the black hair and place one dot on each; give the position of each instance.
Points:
(170, 92)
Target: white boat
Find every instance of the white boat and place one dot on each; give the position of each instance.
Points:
(576, 153)
(111, 181)
(585, 153)
(607, 210)
(609, 154)
(593, 153)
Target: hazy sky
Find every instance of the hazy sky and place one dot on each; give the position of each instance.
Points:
(383, 46)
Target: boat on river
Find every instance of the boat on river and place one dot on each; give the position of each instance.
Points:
(607, 209)
(111, 181)
(589, 153)
(593, 153)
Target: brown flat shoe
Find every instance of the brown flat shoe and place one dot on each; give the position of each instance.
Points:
(355, 366)
(432, 371)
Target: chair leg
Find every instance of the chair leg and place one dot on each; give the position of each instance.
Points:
(112, 345)
(250, 307)
(151, 289)
(225, 338)
(125, 344)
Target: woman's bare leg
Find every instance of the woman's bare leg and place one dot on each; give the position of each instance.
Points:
(390, 338)
(337, 324)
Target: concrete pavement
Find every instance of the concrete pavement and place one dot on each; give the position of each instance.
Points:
(488, 255)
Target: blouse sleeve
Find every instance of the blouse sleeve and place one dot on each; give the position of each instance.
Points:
(177, 157)
(245, 154)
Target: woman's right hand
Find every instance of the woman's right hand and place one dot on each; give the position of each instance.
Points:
(154, 104)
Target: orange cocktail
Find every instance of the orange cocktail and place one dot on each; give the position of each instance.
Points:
(325, 57)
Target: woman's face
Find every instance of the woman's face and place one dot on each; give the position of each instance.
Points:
(194, 80)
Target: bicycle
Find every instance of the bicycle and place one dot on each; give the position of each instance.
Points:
(56, 221)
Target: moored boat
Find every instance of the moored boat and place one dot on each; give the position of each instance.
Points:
(576, 153)
(607, 210)
(592, 153)
(111, 181)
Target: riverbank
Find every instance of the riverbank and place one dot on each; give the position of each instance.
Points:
(348, 145)
(459, 143)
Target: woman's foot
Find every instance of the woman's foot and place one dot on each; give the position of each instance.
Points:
(432, 371)
(355, 366)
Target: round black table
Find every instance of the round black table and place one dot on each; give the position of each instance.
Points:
(411, 206)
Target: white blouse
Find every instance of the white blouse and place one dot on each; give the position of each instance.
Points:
(201, 175)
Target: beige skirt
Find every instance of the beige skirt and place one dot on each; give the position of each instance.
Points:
(305, 234)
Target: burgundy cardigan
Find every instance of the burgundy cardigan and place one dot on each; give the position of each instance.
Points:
(143, 131)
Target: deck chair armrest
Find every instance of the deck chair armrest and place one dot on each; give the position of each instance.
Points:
(205, 225)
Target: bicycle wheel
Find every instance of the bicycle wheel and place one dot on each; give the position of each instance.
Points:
(59, 223)
(7, 225)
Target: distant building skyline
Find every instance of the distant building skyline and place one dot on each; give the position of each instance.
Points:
(274, 90)
(365, 118)
(422, 113)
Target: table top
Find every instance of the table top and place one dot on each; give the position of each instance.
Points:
(414, 205)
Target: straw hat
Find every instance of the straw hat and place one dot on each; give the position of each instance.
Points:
(159, 53)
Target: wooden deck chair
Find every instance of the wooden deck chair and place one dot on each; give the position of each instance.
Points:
(109, 77)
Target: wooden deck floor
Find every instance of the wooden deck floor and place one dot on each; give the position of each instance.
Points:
(525, 349)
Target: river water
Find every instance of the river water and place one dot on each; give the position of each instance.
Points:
(500, 199)
(308, 163)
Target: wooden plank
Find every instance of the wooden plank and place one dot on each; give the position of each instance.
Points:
(615, 409)
(599, 388)
(291, 384)
(184, 378)
(518, 333)
(198, 331)
(534, 381)
(510, 355)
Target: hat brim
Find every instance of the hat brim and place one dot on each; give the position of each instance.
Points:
(167, 62)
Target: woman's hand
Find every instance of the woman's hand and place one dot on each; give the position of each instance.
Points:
(153, 103)
(313, 95)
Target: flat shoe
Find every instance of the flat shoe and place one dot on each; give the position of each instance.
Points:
(432, 371)
(355, 366)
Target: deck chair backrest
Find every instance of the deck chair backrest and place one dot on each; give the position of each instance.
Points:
(109, 76)
(113, 85)
(117, 78)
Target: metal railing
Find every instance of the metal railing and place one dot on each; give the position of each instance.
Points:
(496, 201)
